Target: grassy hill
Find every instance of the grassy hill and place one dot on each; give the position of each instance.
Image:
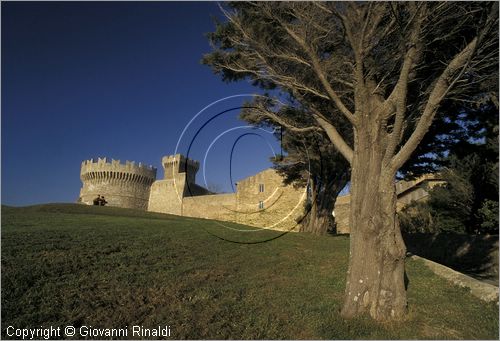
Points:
(66, 264)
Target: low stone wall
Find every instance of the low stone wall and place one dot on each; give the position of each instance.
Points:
(475, 255)
(483, 291)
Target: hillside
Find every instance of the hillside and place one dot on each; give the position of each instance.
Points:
(65, 264)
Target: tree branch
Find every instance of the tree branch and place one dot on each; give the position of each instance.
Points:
(437, 94)
(271, 115)
(337, 139)
(320, 73)
(398, 96)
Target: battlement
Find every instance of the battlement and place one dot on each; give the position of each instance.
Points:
(114, 166)
(176, 164)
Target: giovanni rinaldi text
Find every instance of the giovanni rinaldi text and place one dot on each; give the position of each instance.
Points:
(87, 331)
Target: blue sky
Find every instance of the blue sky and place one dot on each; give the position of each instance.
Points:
(121, 80)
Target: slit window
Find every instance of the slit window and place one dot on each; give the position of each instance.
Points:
(261, 188)
(261, 205)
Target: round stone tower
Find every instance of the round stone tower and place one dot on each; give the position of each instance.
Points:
(123, 185)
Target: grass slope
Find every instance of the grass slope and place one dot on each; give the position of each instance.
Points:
(107, 267)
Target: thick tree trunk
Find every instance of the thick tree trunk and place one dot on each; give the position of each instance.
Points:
(375, 279)
(320, 219)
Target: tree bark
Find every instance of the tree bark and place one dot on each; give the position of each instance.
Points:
(375, 279)
(320, 219)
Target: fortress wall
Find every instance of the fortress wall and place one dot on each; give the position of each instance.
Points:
(261, 200)
(166, 196)
(123, 185)
(281, 211)
(102, 165)
(283, 205)
(273, 206)
(215, 206)
(342, 211)
(192, 190)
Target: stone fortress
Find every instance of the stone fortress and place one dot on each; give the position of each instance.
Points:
(260, 200)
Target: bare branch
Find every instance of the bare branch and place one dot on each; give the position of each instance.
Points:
(334, 135)
(437, 94)
(271, 115)
(319, 72)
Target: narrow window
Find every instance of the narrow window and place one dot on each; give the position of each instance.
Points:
(261, 188)
(261, 205)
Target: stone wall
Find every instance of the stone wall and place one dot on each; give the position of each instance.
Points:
(123, 185)
(417, 189)
(475, 255)
(260, 200)
(263, 200)
(166, 196)
(216, 206)
(341, 212)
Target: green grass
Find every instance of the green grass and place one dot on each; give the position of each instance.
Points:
(107, 267)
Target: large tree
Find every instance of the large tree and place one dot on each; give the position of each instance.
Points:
(383, 67)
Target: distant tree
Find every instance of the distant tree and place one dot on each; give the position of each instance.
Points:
(457, 206)
(488, 216)
(385, 68)
(327, 173)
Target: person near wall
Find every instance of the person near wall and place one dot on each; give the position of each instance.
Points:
(103, 201)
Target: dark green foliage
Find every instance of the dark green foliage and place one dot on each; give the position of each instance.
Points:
(109, 267)
(467, 203)
(451, 204)
(487, 215)
(459, 129)
(416, 218)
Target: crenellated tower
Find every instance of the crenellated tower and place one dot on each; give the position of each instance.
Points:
(177, 164)
(124, 185)
(178, 183)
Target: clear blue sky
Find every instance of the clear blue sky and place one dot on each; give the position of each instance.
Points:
(118, 79)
